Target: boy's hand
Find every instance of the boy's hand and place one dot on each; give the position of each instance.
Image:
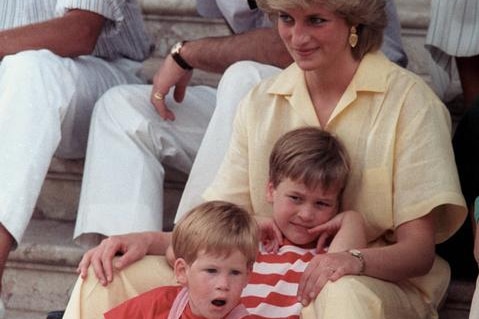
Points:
(326, 232)
(270, 235)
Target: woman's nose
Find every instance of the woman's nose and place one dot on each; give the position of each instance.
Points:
(299, 35)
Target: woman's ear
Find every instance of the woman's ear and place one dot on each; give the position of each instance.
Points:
(269, 192)
(181, 271)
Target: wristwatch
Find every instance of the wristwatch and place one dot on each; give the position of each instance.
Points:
(175, 54)
(359, 255)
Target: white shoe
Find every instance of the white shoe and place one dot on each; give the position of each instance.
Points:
(2, 309)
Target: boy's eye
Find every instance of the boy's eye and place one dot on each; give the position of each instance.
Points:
(211, 270)
(323, 204)
(235, 272)
(294, 198)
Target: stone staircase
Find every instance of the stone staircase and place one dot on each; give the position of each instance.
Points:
(41, 272)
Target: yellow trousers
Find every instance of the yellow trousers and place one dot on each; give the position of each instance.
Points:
(358, 297)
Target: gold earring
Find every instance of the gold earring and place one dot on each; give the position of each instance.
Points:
(353, 37)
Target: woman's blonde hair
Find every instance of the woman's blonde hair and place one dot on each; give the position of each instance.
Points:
(218, 228)
(369, 17)
(310, 156)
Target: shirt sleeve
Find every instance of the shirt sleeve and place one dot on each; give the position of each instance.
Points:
(426, 175)
(110, 9)
(113, 10)
(124, 34)
(232, 180)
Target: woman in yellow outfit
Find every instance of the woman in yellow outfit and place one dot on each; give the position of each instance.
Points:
(403, 180)
(397, 132)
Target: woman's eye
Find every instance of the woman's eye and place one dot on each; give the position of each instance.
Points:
(211, 270)
(285, 18)
(316, 20)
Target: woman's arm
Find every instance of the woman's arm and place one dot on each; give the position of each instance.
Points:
(411, 256)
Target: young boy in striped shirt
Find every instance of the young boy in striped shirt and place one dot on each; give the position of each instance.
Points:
(308, 171)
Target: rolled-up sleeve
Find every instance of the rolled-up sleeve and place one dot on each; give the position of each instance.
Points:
(124, 34)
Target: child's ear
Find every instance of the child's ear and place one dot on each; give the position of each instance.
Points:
(269, 192)
(180, 269)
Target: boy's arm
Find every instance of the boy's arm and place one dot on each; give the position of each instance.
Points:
(346, 230)
(351, 234)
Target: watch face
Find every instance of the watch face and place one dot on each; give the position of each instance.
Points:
(176, 48)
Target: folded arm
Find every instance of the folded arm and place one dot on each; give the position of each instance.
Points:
(71, 35)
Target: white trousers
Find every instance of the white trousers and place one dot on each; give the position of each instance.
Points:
(234, 85)
(129, 145)
(45, 107)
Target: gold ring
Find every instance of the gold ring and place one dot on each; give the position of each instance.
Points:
(158, 96)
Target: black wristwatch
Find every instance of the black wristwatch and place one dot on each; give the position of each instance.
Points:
(175, 54)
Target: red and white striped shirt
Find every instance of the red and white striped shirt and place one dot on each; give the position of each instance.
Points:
(272, 289)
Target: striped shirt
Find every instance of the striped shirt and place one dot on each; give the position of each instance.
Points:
(454, 27)
(453, 31)
(273, 285)
(123, 36)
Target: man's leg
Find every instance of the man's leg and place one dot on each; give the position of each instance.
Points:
(234, 85)
(128, 147)
(38, 91)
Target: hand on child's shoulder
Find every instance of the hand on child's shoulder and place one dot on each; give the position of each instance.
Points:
(270, 235)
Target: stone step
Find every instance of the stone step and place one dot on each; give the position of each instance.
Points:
(41, 272)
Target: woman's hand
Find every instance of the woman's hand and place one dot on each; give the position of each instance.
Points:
(169, 75)
(323, 268)
(130, 247)
(270, 235)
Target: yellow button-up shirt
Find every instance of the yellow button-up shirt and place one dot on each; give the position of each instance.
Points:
(397, 133)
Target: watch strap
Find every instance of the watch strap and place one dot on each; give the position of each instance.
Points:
(359, 255)
(179, 59)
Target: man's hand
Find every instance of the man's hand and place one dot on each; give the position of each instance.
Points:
(169, 75)
(129, 248)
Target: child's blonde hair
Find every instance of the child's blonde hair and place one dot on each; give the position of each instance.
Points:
(310, 156)
(218, 228)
